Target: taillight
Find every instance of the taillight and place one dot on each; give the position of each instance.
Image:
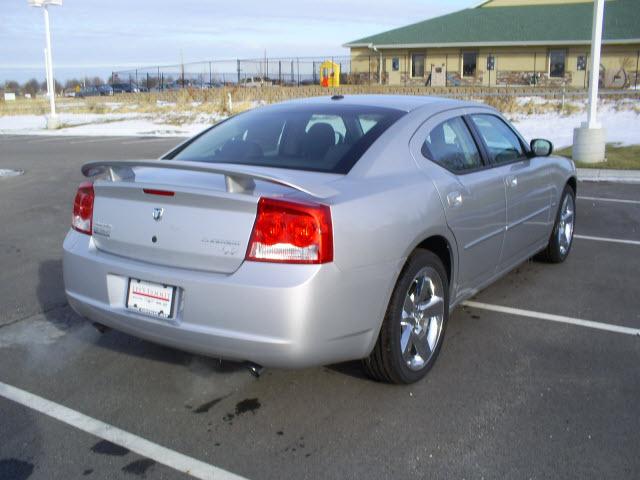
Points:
(82, 219)
(290, 232)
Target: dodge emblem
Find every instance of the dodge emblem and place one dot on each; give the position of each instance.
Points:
(157, 213)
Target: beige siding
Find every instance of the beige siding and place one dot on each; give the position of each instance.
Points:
(512, 64)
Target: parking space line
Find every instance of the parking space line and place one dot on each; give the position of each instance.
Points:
(49, 138)
(139, 445)
(93, 140)
(605, 239)
(615, 200)
(143, 140)
(553, 318)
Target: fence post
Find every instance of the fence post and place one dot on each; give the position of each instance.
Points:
(147, 81)
(210, 76)
(637, 61)
(136, 77)
(160, 86)
(238, 63)
(280, 72)
(298, 65)
(313, 63)
(293, 78)
(446, 70)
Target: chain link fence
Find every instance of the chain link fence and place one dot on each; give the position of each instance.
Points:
(290, 71)
(619, 70)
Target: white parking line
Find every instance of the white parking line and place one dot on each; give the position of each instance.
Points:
(49, 138)
(92, 140)
(615, 200)
(553, 318)
(142, 140)
(139, 445)
(605, 239)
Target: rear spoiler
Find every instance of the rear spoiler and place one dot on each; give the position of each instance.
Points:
(238, 178)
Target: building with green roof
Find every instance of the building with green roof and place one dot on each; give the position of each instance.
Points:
(505, 42)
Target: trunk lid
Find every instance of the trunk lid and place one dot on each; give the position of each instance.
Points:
(201, 226)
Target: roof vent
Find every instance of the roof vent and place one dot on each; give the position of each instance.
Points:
(337, 97)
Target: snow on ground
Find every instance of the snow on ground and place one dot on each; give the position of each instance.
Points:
(108, 124)
(622, 124)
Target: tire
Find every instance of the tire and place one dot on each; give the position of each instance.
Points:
(561, 239)
(406, 322)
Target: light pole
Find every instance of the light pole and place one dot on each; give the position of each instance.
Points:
(52, 120)
(589, 140)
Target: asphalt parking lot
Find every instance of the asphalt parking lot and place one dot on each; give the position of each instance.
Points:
(514, 394)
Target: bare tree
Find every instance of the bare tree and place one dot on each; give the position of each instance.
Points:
(32, 87)
(11, 86)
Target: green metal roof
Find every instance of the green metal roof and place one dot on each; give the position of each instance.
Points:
(527, 24)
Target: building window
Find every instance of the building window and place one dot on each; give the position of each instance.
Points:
(395, 64)
(469, 64)
(582, 63)
(557, 63)
(417, 65)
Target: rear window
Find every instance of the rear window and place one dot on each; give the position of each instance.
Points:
(327, 138)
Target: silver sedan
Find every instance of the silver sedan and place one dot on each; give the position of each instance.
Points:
(317, 231)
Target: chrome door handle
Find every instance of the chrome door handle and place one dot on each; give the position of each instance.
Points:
(454, 199)
(511, 181)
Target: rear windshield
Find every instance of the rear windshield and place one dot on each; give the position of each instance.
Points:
(309, 137)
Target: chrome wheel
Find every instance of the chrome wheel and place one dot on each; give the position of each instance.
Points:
(422, 318)
(565, 225)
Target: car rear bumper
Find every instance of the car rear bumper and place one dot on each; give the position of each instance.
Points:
(275, 315)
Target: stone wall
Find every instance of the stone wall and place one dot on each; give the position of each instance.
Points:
(504, 77)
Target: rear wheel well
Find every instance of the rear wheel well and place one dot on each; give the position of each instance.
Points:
(439, 246)
(573, 184)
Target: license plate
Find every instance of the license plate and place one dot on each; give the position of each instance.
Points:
(150, 298)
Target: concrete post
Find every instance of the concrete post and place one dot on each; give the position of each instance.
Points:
(590, 139)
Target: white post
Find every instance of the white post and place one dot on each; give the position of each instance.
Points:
(589, 141)
(49, 64)
(594, 78)
(46, 69)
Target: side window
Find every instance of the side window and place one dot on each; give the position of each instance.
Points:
(451, 145)
(502, 144)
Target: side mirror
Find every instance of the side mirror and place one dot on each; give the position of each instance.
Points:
(541, 147)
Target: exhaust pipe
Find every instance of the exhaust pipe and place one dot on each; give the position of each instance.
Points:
(255, 369)
(100, 327)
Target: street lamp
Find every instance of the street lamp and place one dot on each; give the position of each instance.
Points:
(52, 120)
(589, 139)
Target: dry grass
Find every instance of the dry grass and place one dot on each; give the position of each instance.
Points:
(215, 102)
(618, 158)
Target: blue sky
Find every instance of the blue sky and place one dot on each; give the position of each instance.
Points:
(94, 37)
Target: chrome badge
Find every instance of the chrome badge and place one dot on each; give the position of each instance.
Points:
(157, 213)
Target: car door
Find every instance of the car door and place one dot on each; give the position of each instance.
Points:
(472, 196)
(526, 180)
